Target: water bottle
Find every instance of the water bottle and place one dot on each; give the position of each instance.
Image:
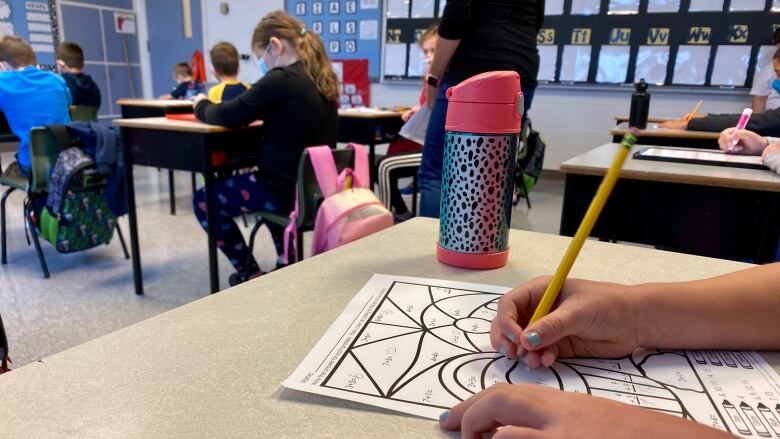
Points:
(481, 136)
(640, 106)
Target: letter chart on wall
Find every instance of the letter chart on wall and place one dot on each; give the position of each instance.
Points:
(421, 346)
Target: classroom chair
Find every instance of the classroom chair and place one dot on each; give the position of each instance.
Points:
(83, 112)
(45, 147)
(309, 199)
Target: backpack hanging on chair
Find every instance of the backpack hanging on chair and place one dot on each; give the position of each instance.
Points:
(350, 210)
(529, 161)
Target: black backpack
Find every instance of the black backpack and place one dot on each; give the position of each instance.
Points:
(529, 160)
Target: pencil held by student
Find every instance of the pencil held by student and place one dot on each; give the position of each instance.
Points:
(693, 112)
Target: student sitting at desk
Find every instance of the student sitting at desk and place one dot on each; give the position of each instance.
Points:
(70, 62)
(224, 60)
(751, 143)
(29, 97)
(600, 319)
(297, 101)
(186, 87)
(766, 123)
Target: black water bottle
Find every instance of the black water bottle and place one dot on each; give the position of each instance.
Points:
(640, 106)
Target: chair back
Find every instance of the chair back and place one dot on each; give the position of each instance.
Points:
(309, 193)
(83, 112)
(45, 147)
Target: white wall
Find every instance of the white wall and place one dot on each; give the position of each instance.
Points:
(236, 27)
(573, 120)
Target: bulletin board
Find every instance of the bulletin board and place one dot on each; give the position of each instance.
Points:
(710, 43)
(405, 22)
(350, 29)
(36, 22)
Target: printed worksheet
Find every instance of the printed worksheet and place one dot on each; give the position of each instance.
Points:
(420, 346)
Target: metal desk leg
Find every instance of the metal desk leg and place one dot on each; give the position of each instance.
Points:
(132, 215)
(172, 191)
(211, 229)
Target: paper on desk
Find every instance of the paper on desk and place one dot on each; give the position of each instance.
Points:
(420, 346)
(415, 128)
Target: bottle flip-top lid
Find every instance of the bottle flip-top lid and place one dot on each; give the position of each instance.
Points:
(486, 103)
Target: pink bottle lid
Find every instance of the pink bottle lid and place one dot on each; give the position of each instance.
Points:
(489, 103)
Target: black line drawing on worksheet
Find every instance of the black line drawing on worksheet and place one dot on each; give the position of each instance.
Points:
(453, 360)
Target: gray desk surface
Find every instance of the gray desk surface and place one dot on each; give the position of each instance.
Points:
(598, 160)
(212, 368)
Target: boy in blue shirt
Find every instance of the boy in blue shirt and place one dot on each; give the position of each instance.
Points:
(29, 97)
(186, 87)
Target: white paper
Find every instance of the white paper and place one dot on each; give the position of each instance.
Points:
(124, 23)
(369, 4)
(585, 7)
(416, 61)
(5, 10)
(731, 63)
(369, 29)
(710, 156)
(764, 59)
(613, 64)
(415, 128)
(651, 64)
(422, 8)
(775, 6)
(690, 66)
(623, 7)
(663, 6)
(706, 5)
(395, 59)
(747, 5)
(397, 9)
(6, 28)
(575, 63)
(553, 7)
(548, 62)
(420, 346)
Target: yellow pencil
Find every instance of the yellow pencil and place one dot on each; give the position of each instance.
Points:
(693, 112)
(594, 210)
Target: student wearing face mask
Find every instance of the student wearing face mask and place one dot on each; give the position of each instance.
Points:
(404, 155)
(297, 101)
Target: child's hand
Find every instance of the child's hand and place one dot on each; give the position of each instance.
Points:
(534, 411)
(199, 97)
(592, 319)
(678, 124)
(406, 115)
(748, 142)
(774, 147)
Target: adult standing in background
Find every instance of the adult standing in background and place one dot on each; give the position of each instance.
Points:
(475, 37)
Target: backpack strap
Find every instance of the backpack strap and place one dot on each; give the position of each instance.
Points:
(360, 175)
(291, 233)
(325, 169)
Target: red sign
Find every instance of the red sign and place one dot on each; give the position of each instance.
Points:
(354, 86)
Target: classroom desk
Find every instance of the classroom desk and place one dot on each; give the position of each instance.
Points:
(133, 108)
(655, 135)
(185, 146)
(714, 211)
(213, 368)
(369, 126)
(650, 119)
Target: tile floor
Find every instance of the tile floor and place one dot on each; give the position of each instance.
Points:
(91, 293)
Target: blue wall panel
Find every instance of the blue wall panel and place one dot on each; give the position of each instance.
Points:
(82, 26)
(166, 40)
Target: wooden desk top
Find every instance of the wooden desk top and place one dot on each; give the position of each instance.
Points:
(368, 113)
(652, 119)
(154, 103)
(213, 368)
(162, 123)
(653, 130)
(596, 162)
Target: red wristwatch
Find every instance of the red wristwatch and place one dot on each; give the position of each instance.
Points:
(432, 80)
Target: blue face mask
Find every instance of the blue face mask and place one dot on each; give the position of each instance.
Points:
(263, 66)
(776, 85)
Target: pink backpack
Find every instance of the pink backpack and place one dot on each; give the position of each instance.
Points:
(350, 210)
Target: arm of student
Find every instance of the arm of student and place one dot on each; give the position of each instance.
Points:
(255, 104)
(733, 311)
(766, 123)
(771, 157)
(759, 103)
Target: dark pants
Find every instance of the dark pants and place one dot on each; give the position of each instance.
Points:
(237, 195)
(429, 176)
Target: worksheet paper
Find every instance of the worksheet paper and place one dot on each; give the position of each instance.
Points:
(420, 346)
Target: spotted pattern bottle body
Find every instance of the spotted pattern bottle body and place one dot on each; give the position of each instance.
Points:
(477, 187)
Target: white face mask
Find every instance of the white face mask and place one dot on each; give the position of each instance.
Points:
(428, 61)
